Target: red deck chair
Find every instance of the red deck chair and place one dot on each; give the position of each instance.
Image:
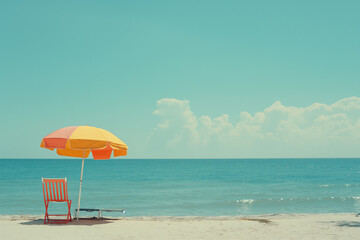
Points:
(55, 190)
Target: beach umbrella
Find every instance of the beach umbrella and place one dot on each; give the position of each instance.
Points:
(79, 141)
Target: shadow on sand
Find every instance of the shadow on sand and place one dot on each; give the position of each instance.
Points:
(348, 224)
(81, 222)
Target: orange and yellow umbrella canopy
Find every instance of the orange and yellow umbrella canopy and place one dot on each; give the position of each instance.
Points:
(78, 141)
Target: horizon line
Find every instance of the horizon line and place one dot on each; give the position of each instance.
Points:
(69, 158)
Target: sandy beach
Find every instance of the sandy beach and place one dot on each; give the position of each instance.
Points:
(292, 226)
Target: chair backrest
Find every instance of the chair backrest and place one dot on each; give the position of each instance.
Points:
(55, 189)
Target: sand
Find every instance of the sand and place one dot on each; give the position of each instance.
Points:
(284, 226)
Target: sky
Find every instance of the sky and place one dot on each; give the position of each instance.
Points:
(183, 79)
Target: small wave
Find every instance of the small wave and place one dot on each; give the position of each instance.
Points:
(326, 185)
(292, 199)
(248, 201)
(336, 185)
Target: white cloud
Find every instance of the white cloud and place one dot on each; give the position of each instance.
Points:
(178, 120)
(318, 130)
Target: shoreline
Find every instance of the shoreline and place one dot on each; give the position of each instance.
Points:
(190, 217)
(267, 226)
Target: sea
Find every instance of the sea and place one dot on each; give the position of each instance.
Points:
(186, 187)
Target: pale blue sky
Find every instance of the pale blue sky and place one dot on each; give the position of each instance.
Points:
(107, 63)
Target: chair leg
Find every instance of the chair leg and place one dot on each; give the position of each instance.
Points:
(69, 218)
(46, 212)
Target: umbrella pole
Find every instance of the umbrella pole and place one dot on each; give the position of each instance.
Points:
(82, 169)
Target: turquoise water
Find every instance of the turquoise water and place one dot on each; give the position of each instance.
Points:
(184, 187)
